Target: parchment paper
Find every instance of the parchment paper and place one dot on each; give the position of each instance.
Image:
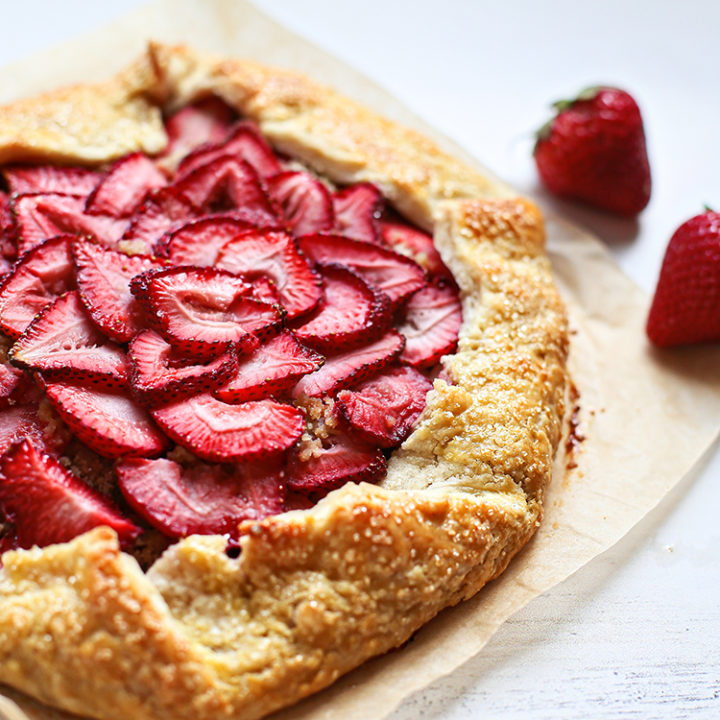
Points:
(647, 416)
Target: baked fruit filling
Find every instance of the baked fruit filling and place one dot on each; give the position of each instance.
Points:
(202, 338)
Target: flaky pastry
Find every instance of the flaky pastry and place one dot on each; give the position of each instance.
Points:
(313, 593)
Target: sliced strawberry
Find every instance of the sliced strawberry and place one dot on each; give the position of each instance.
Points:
(265, 290)
(203, 311)
(43, 274)
(206, 121)
(23, 421)
(12, 382)
(357, 210)
(158, 374)
(383, 410)
(107, 421)
(395, 275)
(244, 143)
(344, 460)
(122, 190)
(431, 325)
(47, 504)
(351, 367)
(161, 212)
(199, 241)
(103, 281)
(62, 343)
(200, 498)
(306, 202)
(22, 179)
(8, 249)
(224, 184)
(415, 244)
(273, 368)
(43, 215)
(274, 254)
(351, 312)
(214, 430)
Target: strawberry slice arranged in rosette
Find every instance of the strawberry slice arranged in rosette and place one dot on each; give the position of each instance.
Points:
(198, 242)
(271, 369)
(125, 186)
(24, 179)
(414, 243)
(243, 143)
(397, 276)
(201, 498)
(43, 274)
(205, 311)
(158, 373)
(39, 216)
(350, 315)
(207, 337)
(306, 203)
(103, 282)
(47, 504)
(274, 254)
(357, 211)
(431, 325)
(63, 343)
(207, 121)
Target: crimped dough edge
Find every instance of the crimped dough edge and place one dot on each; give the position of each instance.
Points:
(314, 593)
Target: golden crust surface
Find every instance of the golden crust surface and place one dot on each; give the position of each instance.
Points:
(313, 593)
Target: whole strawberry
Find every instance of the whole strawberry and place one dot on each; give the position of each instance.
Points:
(686, 306)
(594, 150)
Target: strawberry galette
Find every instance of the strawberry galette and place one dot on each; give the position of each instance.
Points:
(281, 380)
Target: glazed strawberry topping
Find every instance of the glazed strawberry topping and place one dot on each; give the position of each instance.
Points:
(215, 430)
(217, 298)
(344, 369)
(352, 313)
(432, 321)
(244, 143)
(274, 255)
(395, 275)
(163, 211)
(357, 210)
(200, 498)
(343, 460)
(206, 121)
(204, 311)
(199, 241)
(63, 343)
(306, 203)
(383, 410)
(22, 179)
(271, 369)
(226, 183)
(159, 373)
(415, 244)
(48, 504)
(122, 190)
(107, 421)
(103, 282)
(42, 215)
(42, 275)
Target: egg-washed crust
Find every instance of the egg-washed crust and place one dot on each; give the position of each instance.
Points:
(314, 593)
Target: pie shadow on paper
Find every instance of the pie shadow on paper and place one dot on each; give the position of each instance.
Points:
(613, 229)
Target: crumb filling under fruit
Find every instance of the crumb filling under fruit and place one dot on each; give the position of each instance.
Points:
(202, 338)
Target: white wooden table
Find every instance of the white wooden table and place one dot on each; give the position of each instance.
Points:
(636, 633)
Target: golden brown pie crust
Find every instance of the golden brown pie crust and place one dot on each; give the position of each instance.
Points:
(314, 593)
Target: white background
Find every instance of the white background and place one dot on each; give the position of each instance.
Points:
(636, 633)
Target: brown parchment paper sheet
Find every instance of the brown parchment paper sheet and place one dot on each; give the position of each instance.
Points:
(648, 417)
